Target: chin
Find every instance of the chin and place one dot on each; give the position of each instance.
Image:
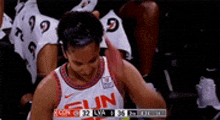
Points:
(87, 78)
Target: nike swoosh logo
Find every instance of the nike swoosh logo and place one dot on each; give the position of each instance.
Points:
(67, 96)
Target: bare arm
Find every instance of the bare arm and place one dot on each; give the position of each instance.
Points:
(44, 100)
(1, 11)
(140, 93)
(146, 32)
(47, 59)
(130, 79)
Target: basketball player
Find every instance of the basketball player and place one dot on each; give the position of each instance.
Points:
(144, 12)
(146, 15)
(14, 78)
(112, 24)
(35, 39)
(87, 80)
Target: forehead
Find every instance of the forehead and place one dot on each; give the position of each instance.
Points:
(84, 54)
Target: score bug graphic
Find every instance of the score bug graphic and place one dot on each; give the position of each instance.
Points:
(66, 113)
(112, 113)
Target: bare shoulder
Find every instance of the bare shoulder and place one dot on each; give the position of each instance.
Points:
(151, 8)
(130, 67)
(48, 84)
(46, 90)
(132, 74)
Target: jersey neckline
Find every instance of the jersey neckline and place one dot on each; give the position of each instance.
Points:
(70, 82)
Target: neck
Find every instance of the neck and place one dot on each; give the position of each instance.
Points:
(76, 77)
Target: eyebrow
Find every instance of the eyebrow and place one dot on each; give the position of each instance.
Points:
(94, 58)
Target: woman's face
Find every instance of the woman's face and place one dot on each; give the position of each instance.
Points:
(84, 61)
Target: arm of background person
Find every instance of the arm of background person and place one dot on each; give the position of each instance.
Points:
(47, 60)
(1, 11)
(146, 32)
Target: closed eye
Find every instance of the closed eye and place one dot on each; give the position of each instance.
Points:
(93, 60)
(77, 63)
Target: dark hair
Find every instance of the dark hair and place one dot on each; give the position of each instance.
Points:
(79, 29)
(56, 8)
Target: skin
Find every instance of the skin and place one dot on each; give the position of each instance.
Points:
(146, 32)
(46, 62)
(45, 95)
(1, 11)
(83, 63)
(123, 53)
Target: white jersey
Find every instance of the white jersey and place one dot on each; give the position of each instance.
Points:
(112, 26)
(6, 23)
(101, 93)
(30, 32)
(86, 5)
(115, 32)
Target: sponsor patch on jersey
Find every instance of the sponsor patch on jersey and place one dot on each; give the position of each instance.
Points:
(107, 82)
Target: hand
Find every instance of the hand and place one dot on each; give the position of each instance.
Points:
(115, 60)
(96, 13)
(26, 98)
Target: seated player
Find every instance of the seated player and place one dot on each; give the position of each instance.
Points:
(142, 31)
(87, 77)
(144, 12)
(15, 80)
(112, 23)
(35, 39)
